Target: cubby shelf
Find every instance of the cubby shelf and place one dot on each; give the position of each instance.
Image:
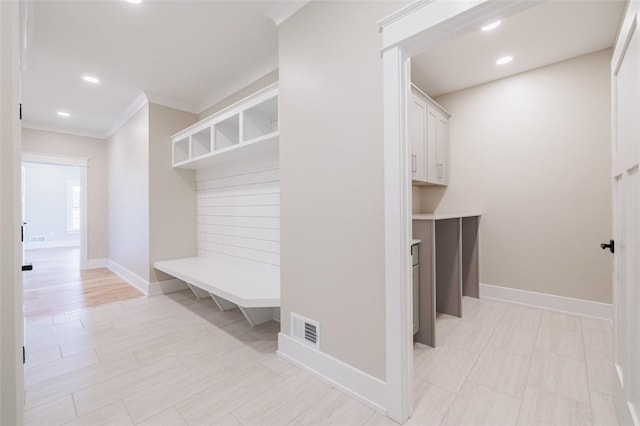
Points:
(246, 128)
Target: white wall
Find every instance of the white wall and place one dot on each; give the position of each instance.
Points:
(128, 153)
(532, 153)
(331, 174)
(96, 151)
(172, 192)
(46, 203)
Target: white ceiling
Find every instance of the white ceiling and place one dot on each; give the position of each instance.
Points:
(186, 54)
(544, 34)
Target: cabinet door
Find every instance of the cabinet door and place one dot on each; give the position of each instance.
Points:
(432, 152)
(416, 299)
(418, 139)
(442, 136)
(437, 136)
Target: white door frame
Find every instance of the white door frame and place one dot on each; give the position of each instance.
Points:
(11, 316)
(82, 163)
(625, 291)
(407, 32)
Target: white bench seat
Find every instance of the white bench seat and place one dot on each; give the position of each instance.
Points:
(253, 287)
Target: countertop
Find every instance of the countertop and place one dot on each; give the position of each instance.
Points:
(439, 216)
(414, 242)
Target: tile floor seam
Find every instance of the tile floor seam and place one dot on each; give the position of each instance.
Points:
(446, 414)
(175, 407)
(126, 410)
(584, 352)
(75, 407)
(526, 382)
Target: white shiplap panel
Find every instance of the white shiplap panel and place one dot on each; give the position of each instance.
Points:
(241, 211)
(240, 180)
(245, 200)
(250, 243)
(250, 189)
(239, 215)
(238, 231)
(247, 222)
(205, 249)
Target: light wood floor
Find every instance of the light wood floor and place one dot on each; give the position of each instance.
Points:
(177, 360)
(56, 284)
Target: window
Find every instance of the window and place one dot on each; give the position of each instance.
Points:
(73, 206)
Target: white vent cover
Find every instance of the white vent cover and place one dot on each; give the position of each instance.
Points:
(305, 330)
(38, 239)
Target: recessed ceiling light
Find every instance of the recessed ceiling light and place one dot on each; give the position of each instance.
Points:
(491, 26)
(504, 60)
(90, 79)
(134, 1)
(64, 114)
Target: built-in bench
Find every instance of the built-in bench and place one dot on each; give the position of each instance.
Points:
(253, 287)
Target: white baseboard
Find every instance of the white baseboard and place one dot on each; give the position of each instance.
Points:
(355, 383)
(148, 288)
(97, 263)
(586, 308)
(51, 244)
(166, 286)
(130, 277)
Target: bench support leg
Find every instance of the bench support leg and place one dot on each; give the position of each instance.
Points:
(223, 305)
(257, 316)
(200, 294)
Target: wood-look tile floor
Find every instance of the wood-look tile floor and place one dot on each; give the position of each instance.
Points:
(57, 285)
(177, 360)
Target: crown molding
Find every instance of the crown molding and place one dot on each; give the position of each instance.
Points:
(140, 101)
(172, 103)
(280, 11)
(261, 69)
(64, 130)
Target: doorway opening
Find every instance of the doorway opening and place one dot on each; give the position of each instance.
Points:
(54, 232)
(431, 45)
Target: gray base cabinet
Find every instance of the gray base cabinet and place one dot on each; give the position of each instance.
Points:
(449, 265)
(416, 288)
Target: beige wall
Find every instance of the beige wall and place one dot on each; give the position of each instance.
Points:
(532, 153)
(172, 192)
(128, 153)
(96, 151)
(260, 83)
(332, 188)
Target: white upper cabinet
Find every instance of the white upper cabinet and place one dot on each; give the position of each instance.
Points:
(429, 140)
(418, 139)
(248, 127)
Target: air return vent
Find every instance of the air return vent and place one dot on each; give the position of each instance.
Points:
(38, 239)
(305, 330)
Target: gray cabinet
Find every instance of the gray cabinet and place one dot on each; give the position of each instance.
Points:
(449, 263)
(416, 288)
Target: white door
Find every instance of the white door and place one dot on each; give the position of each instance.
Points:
(625, 79)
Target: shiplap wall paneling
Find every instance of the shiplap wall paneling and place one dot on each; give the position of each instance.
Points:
(239, 215)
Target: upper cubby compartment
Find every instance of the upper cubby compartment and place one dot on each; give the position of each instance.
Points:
(248, 127)
(260, 120)
(227, 132)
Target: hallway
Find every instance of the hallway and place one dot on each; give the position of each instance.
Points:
(57, 285)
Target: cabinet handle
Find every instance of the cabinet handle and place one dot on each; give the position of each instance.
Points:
(440, 170)
(414, 163)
